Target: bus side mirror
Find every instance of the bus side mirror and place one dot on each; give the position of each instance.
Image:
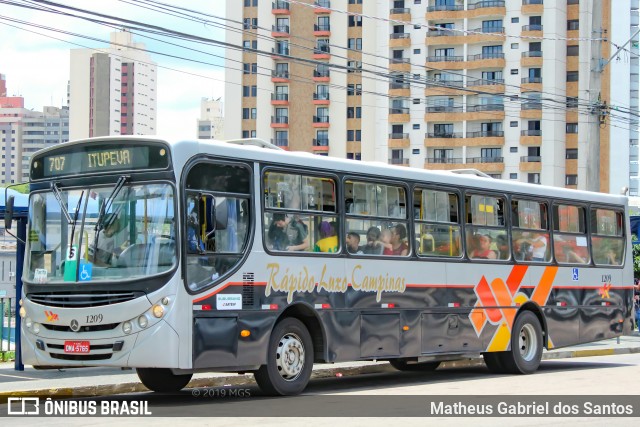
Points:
(8, 212)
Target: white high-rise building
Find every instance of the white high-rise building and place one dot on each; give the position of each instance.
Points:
(113, 91)
(211, 121)
(510, 88)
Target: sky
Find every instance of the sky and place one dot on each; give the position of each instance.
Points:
(35, 61)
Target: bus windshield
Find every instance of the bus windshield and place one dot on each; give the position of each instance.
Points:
(117, 232)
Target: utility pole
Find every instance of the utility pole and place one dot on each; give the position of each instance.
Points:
(594, 93)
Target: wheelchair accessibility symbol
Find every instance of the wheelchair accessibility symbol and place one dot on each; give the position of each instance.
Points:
(86, 268)
(575, 275)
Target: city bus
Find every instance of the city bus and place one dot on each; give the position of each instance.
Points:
(176, 257)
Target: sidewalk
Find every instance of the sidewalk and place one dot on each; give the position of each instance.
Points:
(108, 381)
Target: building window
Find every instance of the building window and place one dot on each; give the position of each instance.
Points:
(245, 113)
(513, 176)
(572, 128)
(572, 76)
(513, 124)
(416, 126)
(355, 44)
(572, 102)
(573, 24)
(354, 89)
(513, 149)
(514, 71)
(533, 178)
(571, 180)
(416, 51)
(573, 50)
(515, 20)
(355, 21)
(571, 153)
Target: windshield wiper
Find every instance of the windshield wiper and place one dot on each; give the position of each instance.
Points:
(58, 196)
(109, 201)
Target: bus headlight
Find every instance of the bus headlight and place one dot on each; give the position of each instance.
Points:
(126, 327)
(23, 312)
(158, 311)
(28, 323)
(143, 321)
(36, 328)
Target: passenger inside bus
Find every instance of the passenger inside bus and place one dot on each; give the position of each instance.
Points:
(353, 243)
(287, 234)
(398, 242)
(105, 249)
(329, 238)
(373, 245)
(482, 248)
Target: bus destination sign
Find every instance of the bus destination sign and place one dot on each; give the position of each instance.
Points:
(96, 159)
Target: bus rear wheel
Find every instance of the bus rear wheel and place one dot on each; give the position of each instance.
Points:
(162, 380)
(526, 345)
(403, 365)
(289, 359)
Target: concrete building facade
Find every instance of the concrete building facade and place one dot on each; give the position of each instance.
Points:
(211, 121)
(113, 91)
(514, 89)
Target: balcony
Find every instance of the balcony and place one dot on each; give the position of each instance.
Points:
(321, 98)
(444, 87)
(279, 76)
(320, 145)
(485, 112)
(487, 164)
(322, 52)
(399, 115)
(320, 121)
(488, 86)
(399, 162)
(530, 164)
(322, 30)
(280, 142)
(400, 14)
(486, 34)
(322, 6)
(279, 99)
(531, 137)
(436, 113)
(280, 8)
(279, 121)
(280, 31)
(444, 163)
(445, 12)
(399, 140)
(443, 139)
(321, 76)
(399, 40)
(531, 31)
(445, 36)
(279, 52)
(486, 8)
(531, 84)
(400, 65)
(485, 60)
(399, 89)
(532, 58)
(446, 62)
(531, 110)
(532, 7)
(484, 138)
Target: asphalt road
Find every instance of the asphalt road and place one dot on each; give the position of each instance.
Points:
(387, 398)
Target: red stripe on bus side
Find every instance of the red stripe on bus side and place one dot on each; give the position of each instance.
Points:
(209, 295)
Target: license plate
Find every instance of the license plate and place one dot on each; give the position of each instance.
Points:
(76, 346)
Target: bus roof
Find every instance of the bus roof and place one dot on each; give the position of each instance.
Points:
(258, 150)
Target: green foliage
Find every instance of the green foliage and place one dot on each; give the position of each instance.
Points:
(636, 261)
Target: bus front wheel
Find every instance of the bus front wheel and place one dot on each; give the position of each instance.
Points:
(162, 380)
(289, 359)
(526, 345)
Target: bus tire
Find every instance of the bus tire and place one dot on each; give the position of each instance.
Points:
(402, 365)
(494, 363)
(289, 359)
(162, 380)
(526, 345)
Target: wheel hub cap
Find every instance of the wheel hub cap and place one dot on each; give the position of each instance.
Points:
(290, 357)
(527, 342)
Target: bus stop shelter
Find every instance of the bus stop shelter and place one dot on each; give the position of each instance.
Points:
(19, 228)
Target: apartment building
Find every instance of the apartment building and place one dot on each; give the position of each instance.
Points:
(510, 88)
(24, 131)
(211, 121)
(113, 91)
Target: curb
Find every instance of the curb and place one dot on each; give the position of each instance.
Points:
(240, 380)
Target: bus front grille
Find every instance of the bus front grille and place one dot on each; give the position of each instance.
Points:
(86, 328)
(81, 357)
(85, 299)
